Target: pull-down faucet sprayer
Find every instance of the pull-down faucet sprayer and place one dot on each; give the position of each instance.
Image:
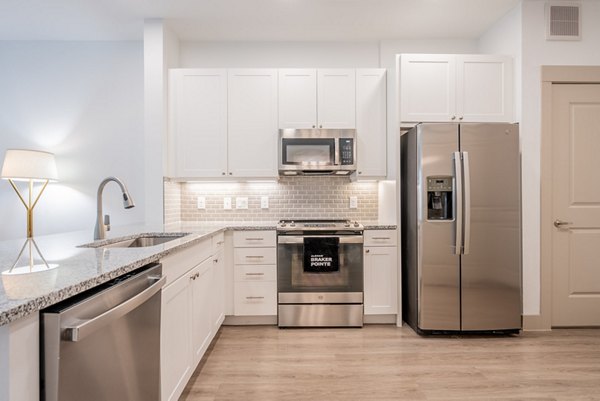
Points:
(103, 226)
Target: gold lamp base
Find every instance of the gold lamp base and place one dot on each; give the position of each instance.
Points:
(30, 204)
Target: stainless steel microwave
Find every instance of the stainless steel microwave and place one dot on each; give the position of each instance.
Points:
(317, 151)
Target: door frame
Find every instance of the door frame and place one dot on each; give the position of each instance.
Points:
(551, 75)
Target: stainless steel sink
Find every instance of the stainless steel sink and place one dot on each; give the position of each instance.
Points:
(138, 242)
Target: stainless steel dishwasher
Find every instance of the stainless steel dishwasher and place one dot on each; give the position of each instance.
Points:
(104, 344)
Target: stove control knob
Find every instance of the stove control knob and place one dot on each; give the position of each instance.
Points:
(347, 225)
(356, 224)
(282, 224)
(292, 224)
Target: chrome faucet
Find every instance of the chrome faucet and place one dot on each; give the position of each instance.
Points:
(103, 226)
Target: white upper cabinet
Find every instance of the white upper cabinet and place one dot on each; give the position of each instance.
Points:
(310, 98)
(484, 88)
(336, 98)
(371, 130)
(252, 122)
(198, 123)
(297, 98)
(456, 88)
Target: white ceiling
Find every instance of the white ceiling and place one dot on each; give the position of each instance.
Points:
(285, 20)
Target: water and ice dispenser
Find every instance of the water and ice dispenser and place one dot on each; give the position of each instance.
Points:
(439, 198)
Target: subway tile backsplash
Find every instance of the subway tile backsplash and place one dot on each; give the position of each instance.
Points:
(289, 198)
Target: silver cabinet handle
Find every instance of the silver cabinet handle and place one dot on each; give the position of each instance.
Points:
(255, 274)
(561, 224)
(367, 250)
(255, 297)
(467, 202)
(458, 221)
(254, 239)
(254, 256)
(382, 238)
(80, 331)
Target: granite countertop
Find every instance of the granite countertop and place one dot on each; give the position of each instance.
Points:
(79, 269)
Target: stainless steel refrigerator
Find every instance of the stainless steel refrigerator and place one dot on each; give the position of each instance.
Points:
(460, 199)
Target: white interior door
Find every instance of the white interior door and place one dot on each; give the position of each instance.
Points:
(576, 205)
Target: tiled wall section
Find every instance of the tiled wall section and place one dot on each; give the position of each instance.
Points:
(289, 198)
(172, 199)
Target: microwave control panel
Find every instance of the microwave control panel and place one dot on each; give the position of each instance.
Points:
(347, 151)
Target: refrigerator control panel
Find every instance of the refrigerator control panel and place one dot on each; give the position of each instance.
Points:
(439, 198)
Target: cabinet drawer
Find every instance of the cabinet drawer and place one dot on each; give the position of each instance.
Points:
(181, 262)
(250, 239)
(254, 256)
(252, 299)
(254, 273)
(381, 238)
(218, 242)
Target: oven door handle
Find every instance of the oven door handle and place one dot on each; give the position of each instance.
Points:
(299, 239)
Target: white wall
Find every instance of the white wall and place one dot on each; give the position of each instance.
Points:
(529, 40)
(537, 52)
(84, 102)
(161, 52)
(279, 54)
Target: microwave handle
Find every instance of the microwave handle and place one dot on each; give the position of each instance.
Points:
(336, 161)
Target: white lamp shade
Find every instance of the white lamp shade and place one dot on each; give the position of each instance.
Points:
(21, 164)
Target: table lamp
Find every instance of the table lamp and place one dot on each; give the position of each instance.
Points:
(30, 166)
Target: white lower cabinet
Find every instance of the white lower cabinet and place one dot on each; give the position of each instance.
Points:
(380, 273)
(19, 359)
(202, 326)
(192, 312)
(218, 290)
(176, 334)
(254, 273)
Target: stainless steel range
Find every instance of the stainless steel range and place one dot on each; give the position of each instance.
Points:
(320, 273)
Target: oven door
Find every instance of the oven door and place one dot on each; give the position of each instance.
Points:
(334, 277)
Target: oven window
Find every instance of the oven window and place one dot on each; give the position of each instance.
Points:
(308, 151)
(293, 275)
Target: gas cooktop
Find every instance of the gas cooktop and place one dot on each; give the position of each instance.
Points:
(318, 225)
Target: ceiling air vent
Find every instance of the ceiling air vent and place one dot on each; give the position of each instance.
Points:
(563, 21)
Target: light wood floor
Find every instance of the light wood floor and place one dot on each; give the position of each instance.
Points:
(387, 363)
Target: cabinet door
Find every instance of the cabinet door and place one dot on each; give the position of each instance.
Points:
(381, 276)
(297, 98)
(484, 88)
(176, 355)
(427, 87)
(202, 277)
(198, 123)
(218, 291)
(336, 98)
(252, 118)
(371, 122)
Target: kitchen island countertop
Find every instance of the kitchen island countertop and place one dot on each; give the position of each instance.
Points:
(79, 269)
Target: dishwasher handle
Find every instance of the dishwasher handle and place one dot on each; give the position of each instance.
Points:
(87, 327)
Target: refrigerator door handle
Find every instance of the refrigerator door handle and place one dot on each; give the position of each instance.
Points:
(466, 203)
(458, 194)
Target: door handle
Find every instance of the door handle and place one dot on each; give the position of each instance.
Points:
(561, 224)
